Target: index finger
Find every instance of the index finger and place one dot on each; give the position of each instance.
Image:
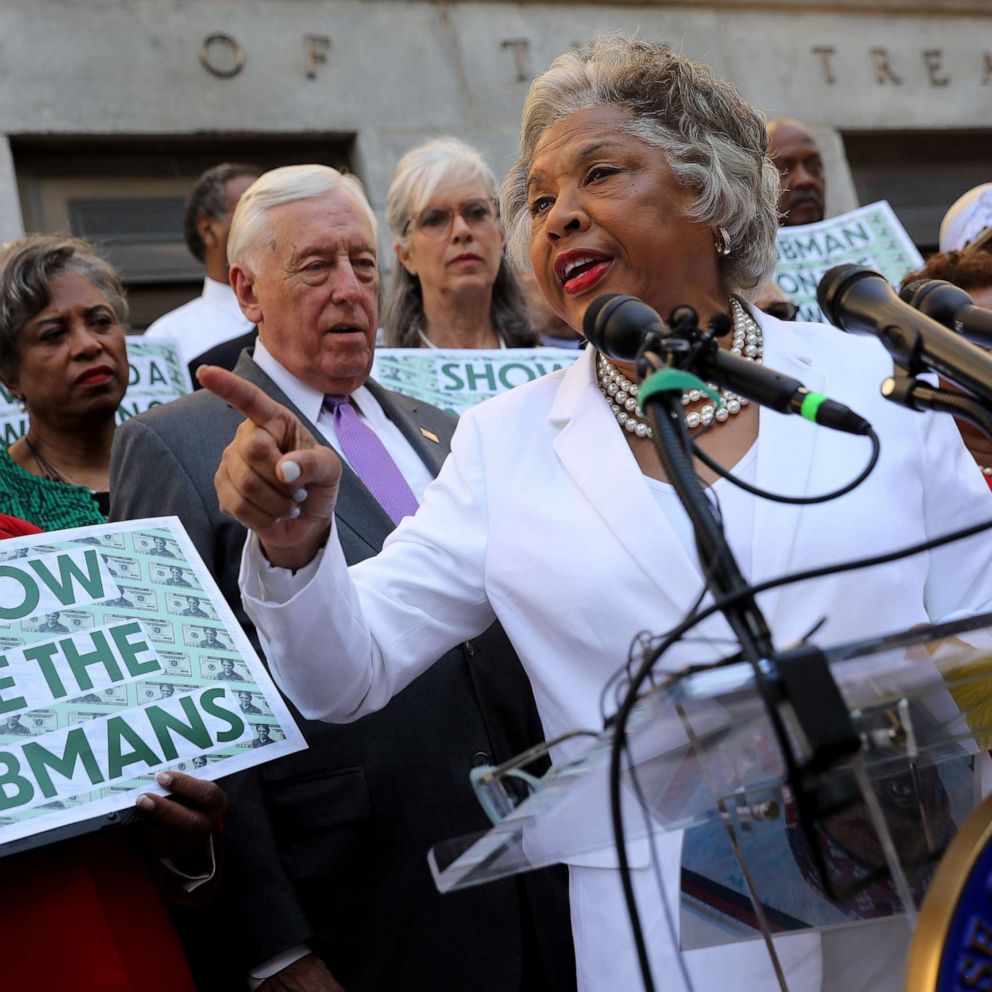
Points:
(244, 396)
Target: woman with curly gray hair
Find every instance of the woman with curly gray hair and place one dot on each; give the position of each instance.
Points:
(451, 286)
(640, 174)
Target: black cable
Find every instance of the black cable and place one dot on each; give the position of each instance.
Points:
(676, 633)
(792, 500)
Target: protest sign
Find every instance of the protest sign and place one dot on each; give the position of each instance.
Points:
(156, 376)
(119, 658)
(870, 236)
(456, 379)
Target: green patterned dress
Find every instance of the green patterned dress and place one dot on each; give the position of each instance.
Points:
(47, 503)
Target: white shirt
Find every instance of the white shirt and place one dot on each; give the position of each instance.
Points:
(212, 318)
(310, 402)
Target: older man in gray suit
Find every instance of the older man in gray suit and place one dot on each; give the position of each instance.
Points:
(327, 883)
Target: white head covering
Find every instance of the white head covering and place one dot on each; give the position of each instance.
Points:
(969, 220)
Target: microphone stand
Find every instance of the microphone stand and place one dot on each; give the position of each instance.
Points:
(663, 408)
(914, 394)
(800, 677)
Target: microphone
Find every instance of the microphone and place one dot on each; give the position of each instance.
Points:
(954, 308)
(859, 300)
(617, 325)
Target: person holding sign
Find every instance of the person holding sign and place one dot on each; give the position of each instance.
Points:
(98, 895)
(63, 355)
(640, 173)
(451, 286)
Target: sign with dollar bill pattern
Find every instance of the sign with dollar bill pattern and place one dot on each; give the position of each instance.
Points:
(156, 376)
(119, 658)
(870, 236)
(456, 379)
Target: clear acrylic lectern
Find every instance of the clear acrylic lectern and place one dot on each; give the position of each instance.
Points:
(862, 841)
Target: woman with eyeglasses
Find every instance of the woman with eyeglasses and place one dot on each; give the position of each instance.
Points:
(451, 286)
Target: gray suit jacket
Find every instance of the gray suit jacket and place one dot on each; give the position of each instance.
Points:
(329, 846)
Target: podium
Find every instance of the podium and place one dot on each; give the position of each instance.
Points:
(855, 839)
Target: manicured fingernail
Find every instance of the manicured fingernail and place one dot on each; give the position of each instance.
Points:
(293, 513)
(300, 495)
(163, 778)
(290, 471)
(144, 802)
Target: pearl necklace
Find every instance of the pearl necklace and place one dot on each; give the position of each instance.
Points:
(621, 393)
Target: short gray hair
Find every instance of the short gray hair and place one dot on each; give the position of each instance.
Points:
(417, 177)
(28, 267)
(286, 185)
(715, 142)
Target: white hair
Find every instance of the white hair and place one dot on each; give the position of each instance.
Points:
(714, 141)
(285, 185)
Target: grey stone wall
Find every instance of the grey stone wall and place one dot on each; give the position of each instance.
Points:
(393, 73)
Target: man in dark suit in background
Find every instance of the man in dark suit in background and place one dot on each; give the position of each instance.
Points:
(327, 881)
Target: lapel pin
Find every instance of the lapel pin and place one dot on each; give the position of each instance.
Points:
(430, 435)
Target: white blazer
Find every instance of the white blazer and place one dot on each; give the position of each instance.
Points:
(542, 519)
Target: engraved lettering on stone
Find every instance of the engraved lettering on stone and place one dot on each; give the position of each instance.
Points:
(825, 51)
(884, 73)
(932, 57)
(520, 47)
(316, 47)
(222, 56)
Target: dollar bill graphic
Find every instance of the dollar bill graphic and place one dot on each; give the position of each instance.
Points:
(161, 690)
(115, 695)
(172, 575)
(28, 724)
(252, 703)
(160, 631)
(176, 663)
(206, 638)
(189, 606)
(123, 568)
(59, 622)
(134, 598)
(156, 544)
(224, 669)
(112, 541)
(265, 733)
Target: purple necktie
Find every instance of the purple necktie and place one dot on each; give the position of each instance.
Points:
(370, 460)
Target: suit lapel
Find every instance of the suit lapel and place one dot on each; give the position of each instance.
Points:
(356, 506)
(786, 450)
(431, 453)
(595, 455)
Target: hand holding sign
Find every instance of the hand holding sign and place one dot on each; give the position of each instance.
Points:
(180, 825)
(274, 477)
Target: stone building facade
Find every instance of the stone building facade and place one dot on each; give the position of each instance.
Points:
(109, 107)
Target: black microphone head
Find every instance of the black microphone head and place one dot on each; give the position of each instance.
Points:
(938, 299)
(906, 293)
(616, 325)
(834, 286)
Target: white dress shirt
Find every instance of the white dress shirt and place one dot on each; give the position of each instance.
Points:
(310, 402)
(212, 318)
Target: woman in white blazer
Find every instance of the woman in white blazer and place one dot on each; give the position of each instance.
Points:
(640, 173)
